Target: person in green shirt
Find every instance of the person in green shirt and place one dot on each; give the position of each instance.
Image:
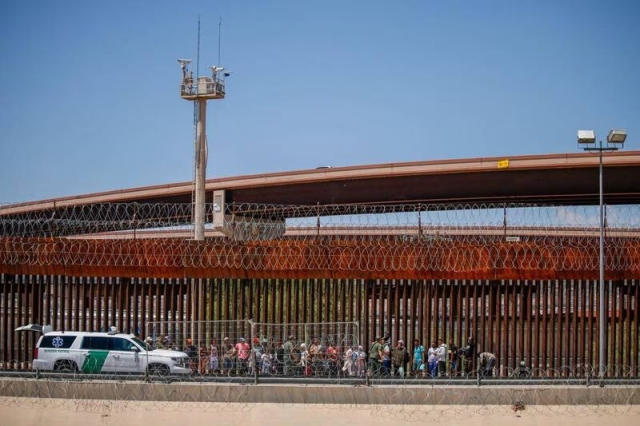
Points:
(375, 356)
(418, 357)
(289, 355)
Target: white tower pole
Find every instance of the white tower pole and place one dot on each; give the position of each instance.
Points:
(201, 169)
(200, 91)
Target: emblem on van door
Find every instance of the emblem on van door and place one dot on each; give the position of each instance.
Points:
(57, 342)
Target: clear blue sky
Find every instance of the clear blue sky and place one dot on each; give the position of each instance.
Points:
(90, 89)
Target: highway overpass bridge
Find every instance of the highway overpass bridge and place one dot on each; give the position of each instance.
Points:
(559, 179)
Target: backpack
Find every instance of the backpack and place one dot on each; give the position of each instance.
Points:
(406, 357)
(371, 353)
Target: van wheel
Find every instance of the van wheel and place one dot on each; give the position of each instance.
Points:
(65, 366)
(159, 370)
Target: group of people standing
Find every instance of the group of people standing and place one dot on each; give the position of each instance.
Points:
(383, 359)
(438, 360)
(315, 359)
(224, 358)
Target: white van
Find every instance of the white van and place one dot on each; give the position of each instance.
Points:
(93, 352)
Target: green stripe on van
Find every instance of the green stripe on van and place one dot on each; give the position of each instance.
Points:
(94, 361)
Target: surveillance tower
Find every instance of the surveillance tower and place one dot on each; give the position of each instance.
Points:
(200, 91)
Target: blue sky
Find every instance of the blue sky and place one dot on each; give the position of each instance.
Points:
(90, 89)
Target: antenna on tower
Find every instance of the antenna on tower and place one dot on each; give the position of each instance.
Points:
(219, 33)
(195, 105)
(198, 52)
(195, 131)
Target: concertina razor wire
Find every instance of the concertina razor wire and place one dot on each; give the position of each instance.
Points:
(368, 238)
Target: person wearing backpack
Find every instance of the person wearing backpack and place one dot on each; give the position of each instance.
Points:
(375, 356)
(467, 355)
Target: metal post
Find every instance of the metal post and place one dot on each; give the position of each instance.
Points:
(615, 141)
(602, 312)
(254, 350)
(201, 169)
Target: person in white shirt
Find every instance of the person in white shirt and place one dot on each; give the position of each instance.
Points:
(304, 359)
(386, 357)
(348, 361)
(267, 362)
(441, 355)
(432, 359)
(487, 362)
(361, 362)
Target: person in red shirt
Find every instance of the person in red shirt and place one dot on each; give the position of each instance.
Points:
(243, 350)
(332, 356)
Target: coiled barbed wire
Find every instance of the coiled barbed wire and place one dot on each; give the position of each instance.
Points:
(371, 238)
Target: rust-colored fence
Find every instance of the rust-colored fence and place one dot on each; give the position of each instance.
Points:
(521, 279)
(550, 324)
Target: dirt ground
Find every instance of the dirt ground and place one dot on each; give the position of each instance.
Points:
(66, 412)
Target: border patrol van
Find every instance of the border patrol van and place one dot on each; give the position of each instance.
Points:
(98, 352)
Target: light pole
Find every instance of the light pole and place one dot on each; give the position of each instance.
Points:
(615, 141)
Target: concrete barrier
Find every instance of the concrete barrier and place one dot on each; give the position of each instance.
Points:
(321, 394)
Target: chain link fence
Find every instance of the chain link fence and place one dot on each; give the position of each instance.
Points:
(248, 348)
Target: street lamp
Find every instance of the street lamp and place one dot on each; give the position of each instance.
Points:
(615, 141)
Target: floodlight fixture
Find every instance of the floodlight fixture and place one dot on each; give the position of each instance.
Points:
(586, 136)
(617, 136)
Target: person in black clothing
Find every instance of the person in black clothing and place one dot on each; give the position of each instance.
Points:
(453, 358)
(523, 372)
(468, 354)
(192, 352)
